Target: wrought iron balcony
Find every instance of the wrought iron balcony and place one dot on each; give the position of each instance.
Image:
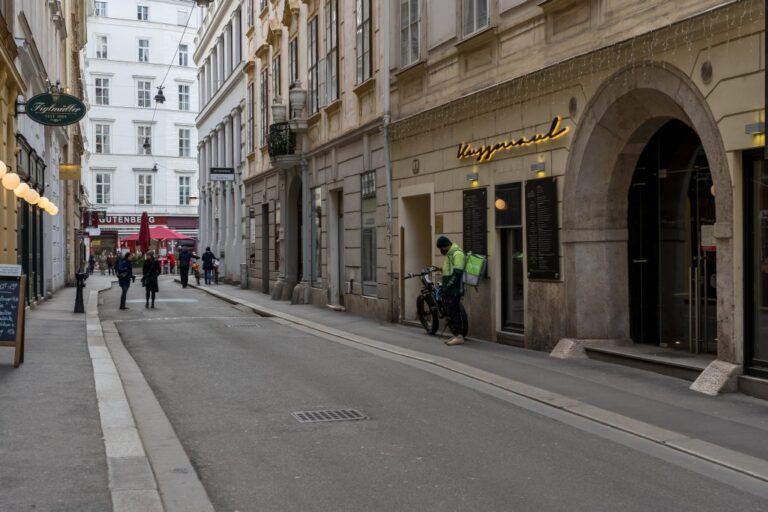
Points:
(281, 143)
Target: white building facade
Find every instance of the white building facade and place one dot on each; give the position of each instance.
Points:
(219, 55)
(141, 154)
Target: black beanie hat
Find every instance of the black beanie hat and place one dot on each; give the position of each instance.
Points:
(444, 241)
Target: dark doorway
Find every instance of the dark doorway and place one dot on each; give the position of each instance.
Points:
(265, 248)
(508, 213)
(672, 250)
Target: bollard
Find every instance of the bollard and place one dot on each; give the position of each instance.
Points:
(80, 278)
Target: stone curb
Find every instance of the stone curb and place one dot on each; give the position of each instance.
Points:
(724, 457)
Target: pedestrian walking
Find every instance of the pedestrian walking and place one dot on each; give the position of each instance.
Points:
(150, 275)
(172, 262)
(208, 259)
(103, 262)
(125, 276)
(453, 285)
(185, 259)
(91, 263)
(110, 264)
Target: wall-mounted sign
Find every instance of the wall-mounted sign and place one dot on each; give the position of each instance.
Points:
(55, 109)
(542, 241)
(222, 174)
(487, 151)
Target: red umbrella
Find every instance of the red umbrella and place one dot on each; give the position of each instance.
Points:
(157, 233)
(144, 236)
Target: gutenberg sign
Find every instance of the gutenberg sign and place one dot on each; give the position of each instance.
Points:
(55, 110)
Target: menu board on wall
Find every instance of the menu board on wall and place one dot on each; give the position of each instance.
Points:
(542, 241)
(475, 221)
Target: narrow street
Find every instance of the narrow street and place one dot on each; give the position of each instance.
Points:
(229, 380)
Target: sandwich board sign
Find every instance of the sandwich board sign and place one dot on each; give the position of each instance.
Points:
(12, 308)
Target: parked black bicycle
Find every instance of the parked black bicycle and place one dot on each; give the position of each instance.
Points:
(429, 304)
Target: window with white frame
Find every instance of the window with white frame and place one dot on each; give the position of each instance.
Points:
(144, 94)
(144, 139)
(185, 141)
(363, 34)
(185, 189)
(142, 12)
(145, 188)
(102, 47)
(313, 85)
(183, 55)
(409, 31)
(276, 76)
(331, 51)
(103, 188)
(264, 105)
(99, 8)
(184, 95)
(101, 90)
(143, 50)
(251, 123)
(368, 234)
(102, 138)
(476, 15)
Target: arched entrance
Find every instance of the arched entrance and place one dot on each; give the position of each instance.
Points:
(614, 131)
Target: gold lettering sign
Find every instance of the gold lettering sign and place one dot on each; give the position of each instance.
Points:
(485, 152)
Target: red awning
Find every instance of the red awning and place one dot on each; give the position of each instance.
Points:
(158, 233)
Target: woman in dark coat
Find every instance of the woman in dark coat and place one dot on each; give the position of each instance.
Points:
(151, 272)
(124, 276)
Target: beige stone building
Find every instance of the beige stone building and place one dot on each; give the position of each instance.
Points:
(601, 153)
(316, 182)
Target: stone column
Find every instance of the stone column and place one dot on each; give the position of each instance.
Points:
(237, 133)
(238, 37)
(222, 59)
(227, 35)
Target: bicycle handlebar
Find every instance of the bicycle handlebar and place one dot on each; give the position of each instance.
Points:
(426, 271)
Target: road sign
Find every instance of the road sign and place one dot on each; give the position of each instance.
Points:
(222, 174)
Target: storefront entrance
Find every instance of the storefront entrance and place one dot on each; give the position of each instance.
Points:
(756, 263)
(672, 251)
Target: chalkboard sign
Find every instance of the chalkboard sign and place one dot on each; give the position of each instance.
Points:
(12, 310)
(475, 221)
(542, 241)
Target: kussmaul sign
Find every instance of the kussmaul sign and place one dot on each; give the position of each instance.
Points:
(55, 109)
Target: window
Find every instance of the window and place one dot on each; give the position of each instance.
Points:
(144, 94)
(264, 105)
(317, 250)
(185, 141)
(475, 15)
(251, 124)
(143, 50)
(142, 12)
(184, 95)
(103, 188)
(102, 47)
(102, 91)
(276, 76)
(99, 8)
(363, 39)
(312, 84)
(145, 188)
(185, 187)
(293, 61)
(250, 13)
(368, 241)
(102, 138)
(409, 31)
(182, 17)
(144, 139)
(332, 51)
(183, 55)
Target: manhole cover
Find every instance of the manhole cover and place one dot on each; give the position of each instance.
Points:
(329, 415)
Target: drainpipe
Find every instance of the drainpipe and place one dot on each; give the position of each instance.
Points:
(387, 160)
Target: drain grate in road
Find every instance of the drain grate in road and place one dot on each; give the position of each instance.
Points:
(329, 415)
(244, 324)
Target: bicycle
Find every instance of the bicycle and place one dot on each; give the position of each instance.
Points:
(429, 304)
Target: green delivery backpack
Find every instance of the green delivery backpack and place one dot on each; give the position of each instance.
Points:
(474, 269)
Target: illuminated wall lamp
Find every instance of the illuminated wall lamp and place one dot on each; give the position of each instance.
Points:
(755, 129)
(473, 178)
(540, 169)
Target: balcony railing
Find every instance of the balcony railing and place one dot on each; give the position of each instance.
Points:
(281, 140)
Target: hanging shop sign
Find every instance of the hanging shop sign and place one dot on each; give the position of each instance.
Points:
(487, 151)
(222, 174)
(55, 109)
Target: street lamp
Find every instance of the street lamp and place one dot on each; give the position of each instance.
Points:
(160, 97)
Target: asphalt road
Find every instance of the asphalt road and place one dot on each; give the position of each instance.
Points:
(229, 380)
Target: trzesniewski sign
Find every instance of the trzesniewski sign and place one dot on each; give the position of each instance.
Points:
(55, 110)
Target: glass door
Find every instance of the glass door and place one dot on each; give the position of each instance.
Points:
(756, 262)
(508, 207)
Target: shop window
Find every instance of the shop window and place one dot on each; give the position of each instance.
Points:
(317, 224)
(368, 235)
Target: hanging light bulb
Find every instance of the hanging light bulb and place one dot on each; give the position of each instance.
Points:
(21, 189)
(160, 97)
(52, 209)
(32, 196)
(3, 169)
(43, 202)
(11, 180)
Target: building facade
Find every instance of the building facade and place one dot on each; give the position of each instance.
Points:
(316, 183)
(220, 58)
(601, 153)
(141, 153)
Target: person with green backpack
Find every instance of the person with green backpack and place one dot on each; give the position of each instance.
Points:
(452, 286)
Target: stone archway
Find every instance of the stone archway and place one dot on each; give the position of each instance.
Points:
(616, 125)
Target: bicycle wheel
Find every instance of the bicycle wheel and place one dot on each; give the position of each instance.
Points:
(427, 313)
(464, 319)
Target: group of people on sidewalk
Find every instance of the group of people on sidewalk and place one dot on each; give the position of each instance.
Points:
(152, 270)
